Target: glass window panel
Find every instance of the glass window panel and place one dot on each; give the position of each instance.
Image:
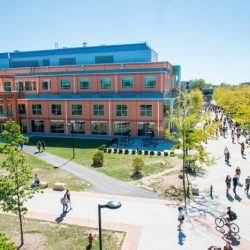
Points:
(122, 128)
(98, 110)
(46, 84)
(36, 109)
(21, 109)
(127, 83)
(57, 127)
(149, 82)
(7, 86)
(76, 109)
(146, 110)
(56, 109)
(37, 126)
(105, 83)
(99, 128)
(145, 129)
(65, 84)
(84, 83)
(121, 110)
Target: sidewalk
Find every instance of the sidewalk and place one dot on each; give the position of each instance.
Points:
(100, 183)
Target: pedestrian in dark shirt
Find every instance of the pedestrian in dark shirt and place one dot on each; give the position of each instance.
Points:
(235, 183)
(228, 184)
(38, 145)
(43, 145)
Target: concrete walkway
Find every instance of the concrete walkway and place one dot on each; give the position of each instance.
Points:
(100, 183)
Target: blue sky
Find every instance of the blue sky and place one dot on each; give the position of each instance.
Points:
(210, 39)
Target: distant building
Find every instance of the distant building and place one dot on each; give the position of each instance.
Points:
(114, 90)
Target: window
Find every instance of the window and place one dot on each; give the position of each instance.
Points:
(76, 109)
(65, 84)
(127, 83)
(1, 110)
(150, 82)
(98, 110)
(145, 129)
(7, 86)
(99, 128)
(57, 127)
(46, 84)
(21, 109)
(122, 110)
(30, 85)
(146, 110)
(84, 83)
(36, 109)
(56, 109)
(9, 110)
(78, 127)
(122, 128)
(37, 126)
(19, 86)
(106, 83)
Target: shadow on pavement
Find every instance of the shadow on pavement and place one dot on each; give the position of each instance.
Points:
(61, 217)
(220, 230)
(230, 198)
(181, 237)
(237, 197)
(233, 238)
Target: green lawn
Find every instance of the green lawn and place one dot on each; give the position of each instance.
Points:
(116, 165)
(48, 173)
(53, 236)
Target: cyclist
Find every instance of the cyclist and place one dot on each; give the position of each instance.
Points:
(230, 216)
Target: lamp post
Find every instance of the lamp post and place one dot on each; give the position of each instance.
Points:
(110, 205)
(71, 128)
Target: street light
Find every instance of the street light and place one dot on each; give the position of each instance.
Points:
(110, 205)
(71, 128)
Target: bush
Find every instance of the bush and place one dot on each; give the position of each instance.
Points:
(102, 147)
(5, 243)
(98, 158)
(126, 151)
(105, 150)
(120, 151)
(109, 150)
(115, 150)
(172, 153)
(159, 153)
(165, 153)
(133, 152)
(137, 165)
(145, 152)
(139, 152)
(152, 153)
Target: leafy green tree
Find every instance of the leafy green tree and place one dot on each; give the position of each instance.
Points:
(15, 186)
(98, 158)
(5, 243)
(137, 165)
(190, 133)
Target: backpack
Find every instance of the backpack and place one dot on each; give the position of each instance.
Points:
(233, 215)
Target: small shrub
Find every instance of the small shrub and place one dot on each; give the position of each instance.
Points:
(109, 150)
(137, 165)
(105, 150)
(133, 152)
(126, 151)
(139, 152)
(172, 153)
(5, 243)
(102, 147)
(115, 150)
(98, 158)
(120, 151)
(165, 153)
(145, 152)
(152, 153)
(159, 153)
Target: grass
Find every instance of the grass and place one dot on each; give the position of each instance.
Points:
(115, 165)
(53, 236)
(48, 173)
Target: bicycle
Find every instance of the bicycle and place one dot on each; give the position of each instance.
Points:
(221, 222)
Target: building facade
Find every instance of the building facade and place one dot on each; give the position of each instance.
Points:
(116, 90)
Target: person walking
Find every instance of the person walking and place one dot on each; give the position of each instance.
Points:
(43, 145)
(64, 202)
(21, 145)
(242, 149)
(247, 184)
(238, 172)
(235, 183)
(228, 246)
(233, 137)
(181, 217)
(225, 153)
(68, 198)
(38, 145)
(228, 184)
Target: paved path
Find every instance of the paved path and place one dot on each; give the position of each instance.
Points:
(100, 183)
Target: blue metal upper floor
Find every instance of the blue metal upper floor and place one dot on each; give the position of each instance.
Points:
(103, 54)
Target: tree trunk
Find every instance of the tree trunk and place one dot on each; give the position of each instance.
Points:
(20, 222)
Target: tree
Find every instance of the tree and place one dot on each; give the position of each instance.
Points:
(5, 243)
(15, 187)
(98, 158)
(137, 165)
(190, 133)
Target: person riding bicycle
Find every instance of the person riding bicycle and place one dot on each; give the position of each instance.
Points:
(231, 216)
